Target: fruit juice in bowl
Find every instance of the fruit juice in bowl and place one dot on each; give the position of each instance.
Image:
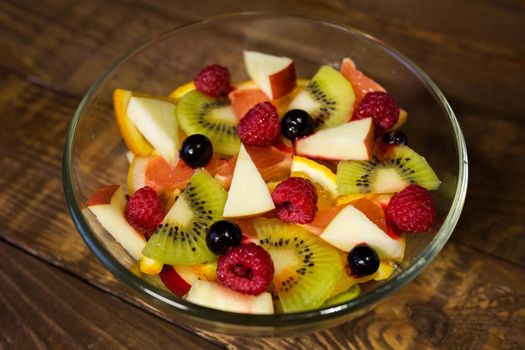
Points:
(262, 189)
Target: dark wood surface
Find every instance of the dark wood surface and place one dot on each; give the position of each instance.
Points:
(53, 292)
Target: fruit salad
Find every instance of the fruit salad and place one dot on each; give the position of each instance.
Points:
(272, 195)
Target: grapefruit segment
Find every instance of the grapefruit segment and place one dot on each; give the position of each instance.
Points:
(164, 178)
(244, 99)
(371, 208)
(247, 94)
(273, 163)
(360, 82)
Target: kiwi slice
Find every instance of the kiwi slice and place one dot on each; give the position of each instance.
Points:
(198, 113)
(328, 98)
(343, 297)
(181, 237)
(306, 268)
(399, 167)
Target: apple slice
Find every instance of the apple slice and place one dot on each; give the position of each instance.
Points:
(351, 227)
(132, 137)
(213, 295)
(248, 194)
(274, 75)
(173, 281)
(108, 203)
(156, 120)
(137, 173)
(349, 141)
(191, 273)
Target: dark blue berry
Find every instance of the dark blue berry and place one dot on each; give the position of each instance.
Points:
(395, 137)
(297, 123)
(362, 260)
(196, 150)
(222, 236)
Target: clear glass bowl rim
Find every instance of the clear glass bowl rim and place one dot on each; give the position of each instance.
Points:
(148, 291)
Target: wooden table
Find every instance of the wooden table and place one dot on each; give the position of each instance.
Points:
(55, 294)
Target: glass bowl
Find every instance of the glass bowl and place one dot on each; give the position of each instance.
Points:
(95, 154)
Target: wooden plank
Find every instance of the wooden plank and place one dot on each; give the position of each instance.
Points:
(41, 226)
(42, 307)
(463, 300)
(447, 47)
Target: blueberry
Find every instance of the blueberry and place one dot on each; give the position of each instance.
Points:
(297, 123)
(223, 235)
(362, 260)
(395, 137)
(196, 150)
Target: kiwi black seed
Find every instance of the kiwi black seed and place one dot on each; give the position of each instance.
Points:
(399, 167)
(306, 268)
(198, 113)
(181, 237)
(328, 98)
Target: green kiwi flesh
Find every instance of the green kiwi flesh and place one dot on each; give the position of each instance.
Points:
(399, 167)
(328, 98)
(198, 113)
(306, 268)
(343, 297)
(181, 237)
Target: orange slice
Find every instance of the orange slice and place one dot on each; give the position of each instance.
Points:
(182, 90)
(131, 135)
(322, 178)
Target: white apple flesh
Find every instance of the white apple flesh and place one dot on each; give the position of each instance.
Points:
(248, 194)
(349, 141)
(274, 75)
(108, 204)
(351, 227)
(156, 120)
(213, 295)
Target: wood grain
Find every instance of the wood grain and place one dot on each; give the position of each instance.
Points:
(56, 241)
(446, 49)
(471, 297)
(43, 307)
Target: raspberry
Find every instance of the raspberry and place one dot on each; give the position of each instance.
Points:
(412, 209)
(213, 80)
(247, 268)
(295, 200)
(260, 125)
(381, 106)
(144, 211)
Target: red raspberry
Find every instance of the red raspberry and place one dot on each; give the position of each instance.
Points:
(412, 209)
(381, 106)
(260, 125)
(144, 211)
(247, 268)
(213, 80)
(295, 200)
